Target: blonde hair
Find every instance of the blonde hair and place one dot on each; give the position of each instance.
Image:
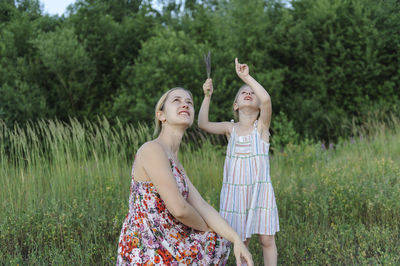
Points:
(236, 112)
(160, 107)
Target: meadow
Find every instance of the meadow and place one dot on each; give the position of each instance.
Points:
(64, 191)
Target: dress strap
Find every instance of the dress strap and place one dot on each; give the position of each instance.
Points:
(233, 127)
(255, 125)
(173, 162)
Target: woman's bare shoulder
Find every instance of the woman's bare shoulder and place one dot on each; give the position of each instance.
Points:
(149, 152)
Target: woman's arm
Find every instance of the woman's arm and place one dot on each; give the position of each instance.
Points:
(203, 123)
(156, 165)
(210, 215)
(218, 224)
(242, 71)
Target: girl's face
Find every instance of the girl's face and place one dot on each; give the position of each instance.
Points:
(178, 109)
(246, 98)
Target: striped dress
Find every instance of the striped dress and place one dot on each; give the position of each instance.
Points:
(247, 196)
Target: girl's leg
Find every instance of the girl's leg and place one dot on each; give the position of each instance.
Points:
(270, 252)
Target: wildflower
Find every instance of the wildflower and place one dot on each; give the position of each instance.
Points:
(323, 146)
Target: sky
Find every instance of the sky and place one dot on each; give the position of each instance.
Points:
(56, 7)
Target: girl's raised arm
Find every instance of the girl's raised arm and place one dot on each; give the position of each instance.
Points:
(224, 128)
(242, 71)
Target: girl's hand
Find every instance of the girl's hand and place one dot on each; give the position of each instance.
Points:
(242, 70)
(241, 253)
(208, 88)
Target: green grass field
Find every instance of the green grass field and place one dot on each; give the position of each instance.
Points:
(64, 194)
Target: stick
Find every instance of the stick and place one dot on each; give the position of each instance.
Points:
(207, 60)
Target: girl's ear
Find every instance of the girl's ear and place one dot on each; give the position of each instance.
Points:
(161, 116)
(235, 107)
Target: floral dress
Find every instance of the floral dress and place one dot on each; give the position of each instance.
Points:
(150, 235)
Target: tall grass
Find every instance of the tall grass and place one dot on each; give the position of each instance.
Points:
(64, 193)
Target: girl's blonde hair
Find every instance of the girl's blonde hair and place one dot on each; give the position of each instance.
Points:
(236, 112)
(160, 107)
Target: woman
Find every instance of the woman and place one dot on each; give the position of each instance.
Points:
(169, 223)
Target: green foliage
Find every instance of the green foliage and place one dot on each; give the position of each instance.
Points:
(178, 64)
(64, 193)
(21, 97)
(282, 131)
(71, 71)
(323, 62)
(30, 7)
(7, 8)
(73, 63)
(21, 102)
(334, 50)
(113, 32)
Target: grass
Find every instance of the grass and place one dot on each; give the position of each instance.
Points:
(64, 193)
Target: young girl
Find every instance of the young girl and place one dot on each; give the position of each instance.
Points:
(169, 223)
(247, 197)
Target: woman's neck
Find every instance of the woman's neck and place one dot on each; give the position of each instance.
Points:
(171, 139)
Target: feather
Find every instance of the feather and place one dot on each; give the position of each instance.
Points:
(207, 60)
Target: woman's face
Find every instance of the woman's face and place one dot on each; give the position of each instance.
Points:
(178, 108)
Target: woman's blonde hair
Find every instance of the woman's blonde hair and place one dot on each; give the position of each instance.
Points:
(160, 107)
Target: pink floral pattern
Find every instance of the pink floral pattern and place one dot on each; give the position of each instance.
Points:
(150, 235)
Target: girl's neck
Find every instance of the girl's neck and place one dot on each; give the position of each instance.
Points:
(247, 118)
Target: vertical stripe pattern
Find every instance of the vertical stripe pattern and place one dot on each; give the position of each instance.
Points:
(247, 200)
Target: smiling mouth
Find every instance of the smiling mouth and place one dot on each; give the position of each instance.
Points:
(248, 98)
(184, 112)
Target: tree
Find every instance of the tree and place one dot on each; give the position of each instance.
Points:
(113, 33)
(169, 59)
(7, 8)
(71, 72)
(332, 50)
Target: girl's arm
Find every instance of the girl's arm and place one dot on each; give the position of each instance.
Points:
(152, 154)
(218, 224)
(203, 123)
(242, 71)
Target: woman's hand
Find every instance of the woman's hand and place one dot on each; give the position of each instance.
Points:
(242, 70)
(241, 253)
(208, 88)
